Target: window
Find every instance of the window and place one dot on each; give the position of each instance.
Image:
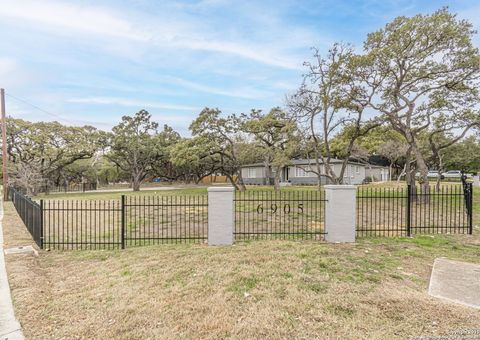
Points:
(252, 172)
(357, 169)
(300, 172)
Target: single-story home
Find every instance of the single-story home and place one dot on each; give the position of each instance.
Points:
(299, 172)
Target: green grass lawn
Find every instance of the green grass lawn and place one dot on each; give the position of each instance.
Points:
(94, 195)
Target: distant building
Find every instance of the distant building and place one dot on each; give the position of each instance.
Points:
(299, 172)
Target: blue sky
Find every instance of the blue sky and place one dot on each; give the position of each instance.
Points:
(90, 62)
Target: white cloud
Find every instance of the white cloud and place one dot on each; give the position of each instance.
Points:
(63, 16)
(243, 92)
(218, 53)
(174, 30)
(260, 54)
(131, 103)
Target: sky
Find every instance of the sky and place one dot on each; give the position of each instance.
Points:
(91, 62)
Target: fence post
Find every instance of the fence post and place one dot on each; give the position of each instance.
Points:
(470, 204)
(409, 210)
(221, 215)
(41, 224)
(340, 213)
(24, 211)
(122, 237)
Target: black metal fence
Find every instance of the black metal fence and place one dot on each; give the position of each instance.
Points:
(72, 187)
(279, 215)
(143, 220)
(164, 219)
(130, 221)
(30, 212)
(405, 211)
(82, 224)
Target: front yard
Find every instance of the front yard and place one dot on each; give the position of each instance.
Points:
(274, 289)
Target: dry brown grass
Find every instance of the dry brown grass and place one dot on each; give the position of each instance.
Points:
(266, 289)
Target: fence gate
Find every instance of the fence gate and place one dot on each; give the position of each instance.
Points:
(279, 215)
(405, 211)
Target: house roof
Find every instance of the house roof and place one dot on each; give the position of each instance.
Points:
(307, 162)
(378, 161)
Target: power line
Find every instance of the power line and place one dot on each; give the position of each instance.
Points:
(38, 108)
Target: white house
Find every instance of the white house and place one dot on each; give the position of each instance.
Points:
(299, 173)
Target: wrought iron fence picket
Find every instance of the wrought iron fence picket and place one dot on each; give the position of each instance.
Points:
(282, 215)
(413, 210)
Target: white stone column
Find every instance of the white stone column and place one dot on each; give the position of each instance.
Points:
(221, 216)
(340, 213)
(476, 181)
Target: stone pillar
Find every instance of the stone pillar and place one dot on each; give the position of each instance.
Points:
(476, 181)
(221, 216)
(340, 213)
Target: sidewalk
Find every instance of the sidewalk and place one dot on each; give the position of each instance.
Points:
(9, 326)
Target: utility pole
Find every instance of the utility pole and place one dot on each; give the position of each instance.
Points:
(4, 145)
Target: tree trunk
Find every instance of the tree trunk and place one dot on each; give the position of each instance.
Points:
(232, 181)
(319, 174)
(136, 179)
(437, 184)
(422, 167)
(276, 180)
(402, 173)
(241, 183)
(339, 180)
(332, 174)
(136, 185)
(408, 169)
(440, 169)
(29, 190)
(267, 173)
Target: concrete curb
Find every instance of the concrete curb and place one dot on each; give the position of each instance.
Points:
(9, 326)
(455, 281)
